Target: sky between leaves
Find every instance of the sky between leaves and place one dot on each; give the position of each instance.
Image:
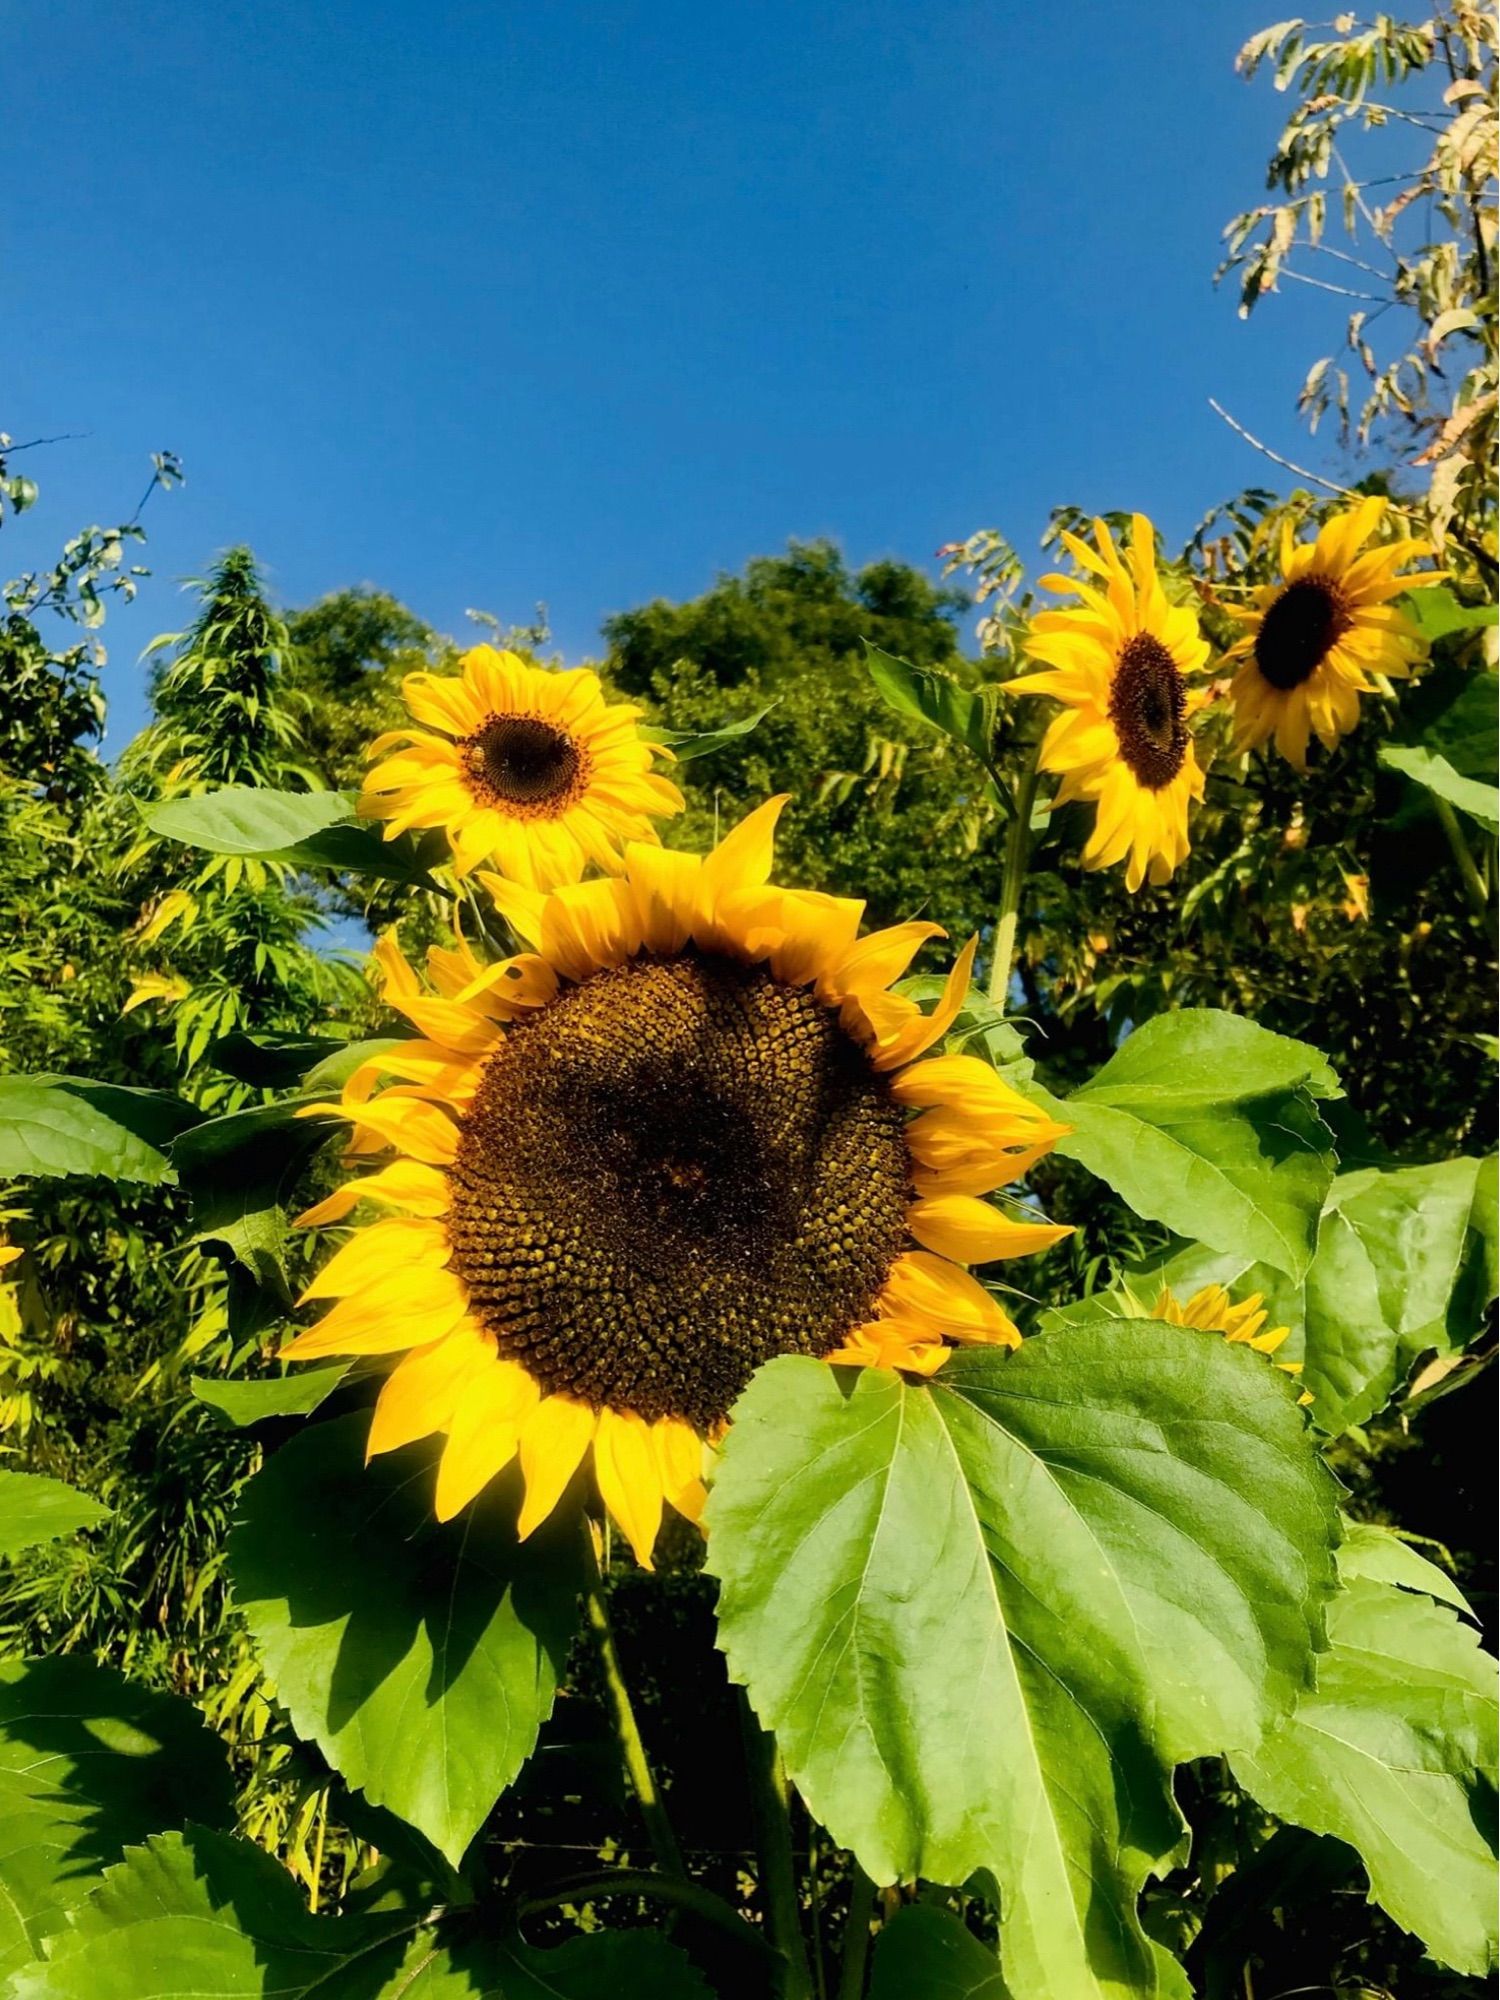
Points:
(584, 301)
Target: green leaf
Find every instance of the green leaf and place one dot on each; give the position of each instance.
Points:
(980, 1028)
(928, 1953)
(35, 1509)
(52, 1126)
(1405, 1265)
(271, 1062)
(1430, 769)
(205, 1915)
(922, 694)
(296, 1394)
(985, 1616)
(1438, 613)
(305, 829)
(421, 1658)
(1379, 1555)
(687, 744)
(88, 1765)
(240, 1172)
(1202, 1121)
(1395, 1753)
(335, 1070)
(625, 1965)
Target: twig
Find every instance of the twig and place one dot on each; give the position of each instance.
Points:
(63, 437)
(1328, 485)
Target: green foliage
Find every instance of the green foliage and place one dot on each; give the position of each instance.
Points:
(36, 1509)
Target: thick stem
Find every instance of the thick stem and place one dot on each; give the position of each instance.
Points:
(856, 1945)
(632, 1749)
(772, 1805)
(1473, 880)
(1017, 851)
(681, 1894)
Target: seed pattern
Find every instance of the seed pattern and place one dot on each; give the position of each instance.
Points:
(674, 1172)
(1148, 707)
(524, 764)
(1296, 633)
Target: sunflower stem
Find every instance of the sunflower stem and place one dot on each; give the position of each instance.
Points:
(1017, 853)
(1472, 879)
(771, 1802)
(632, 1749)
(856, 1943)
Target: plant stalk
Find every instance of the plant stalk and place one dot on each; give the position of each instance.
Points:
(1467, 868)
(1017, 853)
(681, 1894)
(771, 1802)
(856, 1943)
(632, 1749)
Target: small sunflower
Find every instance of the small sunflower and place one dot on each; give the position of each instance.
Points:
(1120, 663)
(686, 1132)
(526, 769)
(1315, 637)
(1214, 1311)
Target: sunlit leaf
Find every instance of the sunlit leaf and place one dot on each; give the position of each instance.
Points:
(52, 1126)
(35, 1509)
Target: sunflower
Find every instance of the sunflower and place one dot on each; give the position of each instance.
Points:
(1119, 662)
(1314, 638)
(529, 770)
(687, 1131)
(1214, 1311)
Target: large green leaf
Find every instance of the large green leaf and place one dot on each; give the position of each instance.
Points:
(1203, 1121)
(1405, 1265)
(1380, 1555)
(35, 1509)
(56, 1125)
(927, 1952)
(986, 1616)
(1395, 1753)
(240, 1172)
(296, 1394)
(89, 1765)
(200, 1915)
(1431, 770)
(421, 1658)
(306, 829)
(623, 1965)
(923, 694)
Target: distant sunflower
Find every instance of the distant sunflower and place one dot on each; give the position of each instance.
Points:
(1214, 1311)
(1120, 663)
(1315, 637)
(673, 1140)
(526, 769)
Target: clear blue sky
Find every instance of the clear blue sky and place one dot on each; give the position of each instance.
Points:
(583, 301)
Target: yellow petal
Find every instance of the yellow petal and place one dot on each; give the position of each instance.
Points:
(404, 1184)
(630, 1478)
(664, 886)
(919, 1034)
(876, 961)
(971, 1232)
(742, 859)
(553, 1440)
(382, 1250)
(942, 1299)
(423, 1390)
(521, 907)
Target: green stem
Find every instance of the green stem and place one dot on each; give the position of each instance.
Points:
(771, 1802)
(1473, 880)
(682, 1894)
(633, 1750)
(1017, 852)
(856, 1945)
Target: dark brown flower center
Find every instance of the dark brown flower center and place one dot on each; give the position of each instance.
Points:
(1148, 707)
(674, 1172)
(524, 763)
(1297, 632)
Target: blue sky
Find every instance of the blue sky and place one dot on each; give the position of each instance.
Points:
(584, 301)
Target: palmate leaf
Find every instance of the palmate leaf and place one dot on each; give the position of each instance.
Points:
(1395, 1753)
(89, 1765)
(421, 1658)
(1405, 1265)
(986, 1616)
(1204, 1121)
(35, 1509)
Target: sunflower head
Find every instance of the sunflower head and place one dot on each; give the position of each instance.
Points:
(1119, 663)
(1243, 1324)
(686, 1131)
(1313, 638)
(524, 768)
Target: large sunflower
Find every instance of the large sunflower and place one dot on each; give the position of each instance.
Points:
(1120, 663)
(672, 1140)
(526, 769)
(1314, 638)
